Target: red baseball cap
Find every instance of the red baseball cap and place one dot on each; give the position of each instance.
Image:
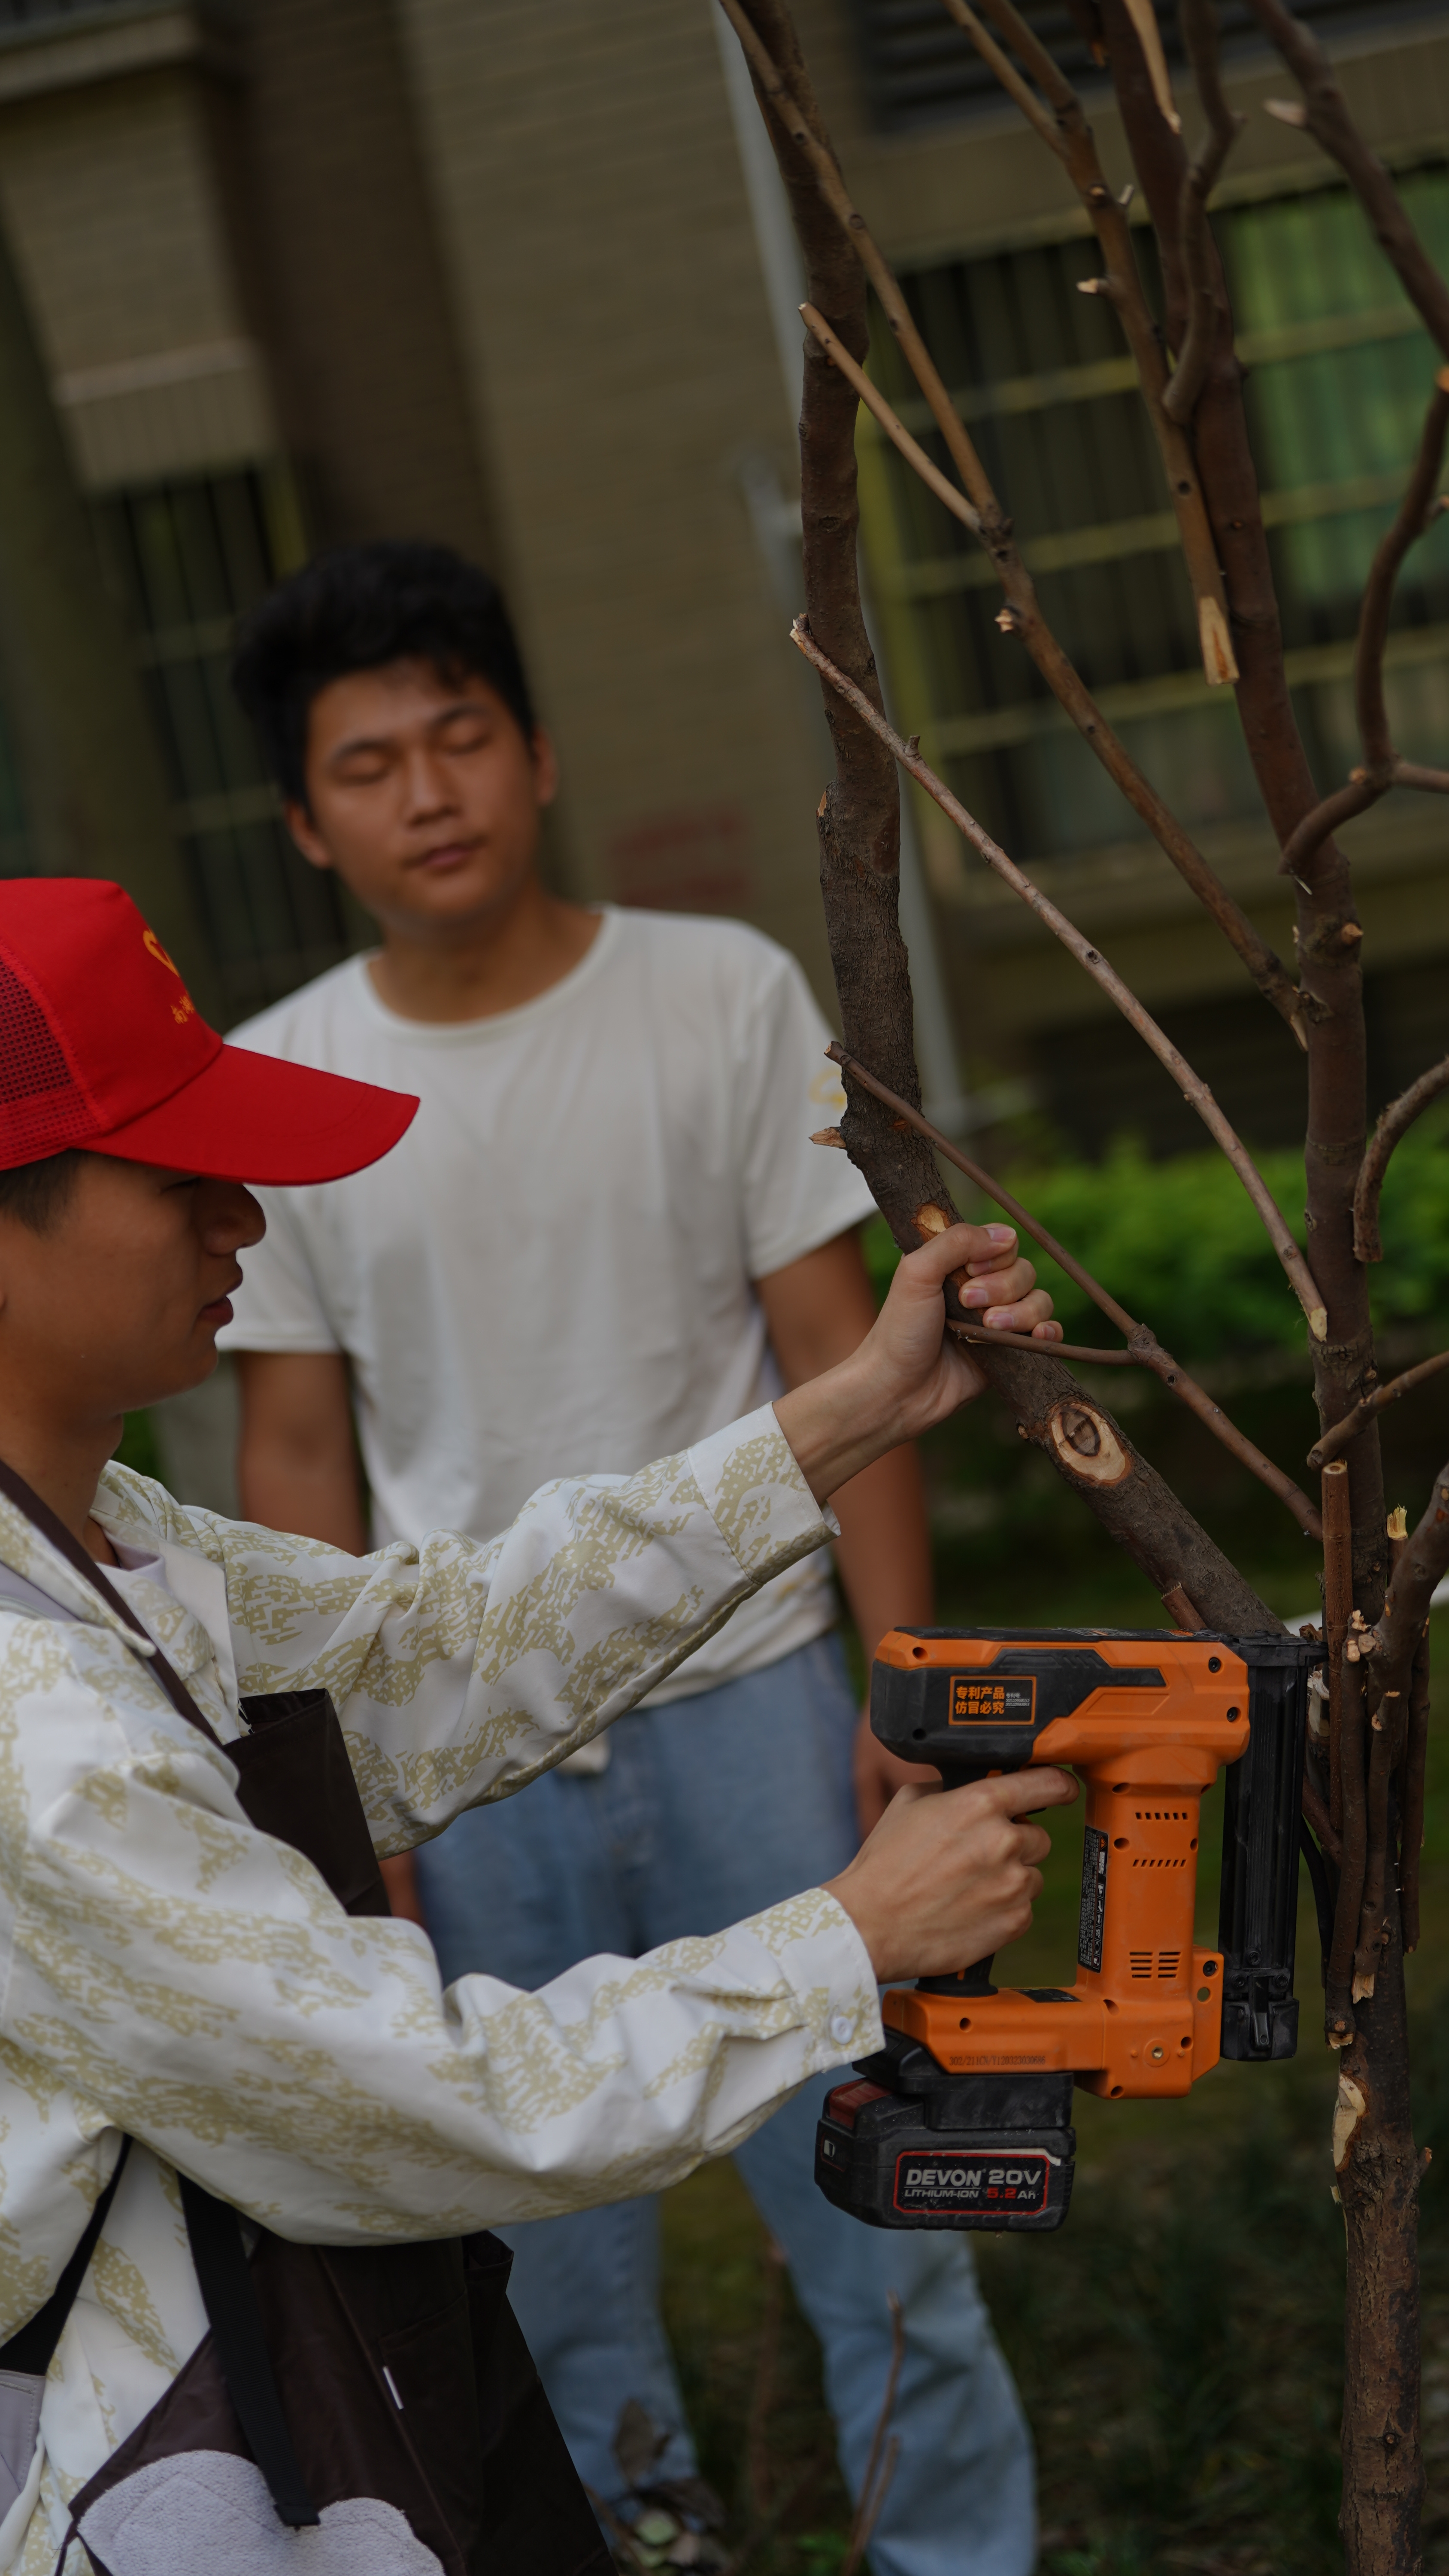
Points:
(101, 1046)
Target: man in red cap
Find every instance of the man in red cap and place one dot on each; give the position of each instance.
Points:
(235, 2090)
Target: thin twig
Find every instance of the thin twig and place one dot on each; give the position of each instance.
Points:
(1410, 521)
(1415, 1759)
(995, 530)
(1337, 1612)
(1143, 1345)
(1191, 1087)
(1424, 1563)
(1339, 2021)
(1413, 773)
(1395, 1122)
(880, 2467)
(1059, 1350)
(1317, 1816)
(1369, 1405)
(1372, 1921)
(1121, 283)
(1382, 768)
(1325, 114)
(1073, 695)
(1198, 20)
(1182, 1612)
(1323, 819)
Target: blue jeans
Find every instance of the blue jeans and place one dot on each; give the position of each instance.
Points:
(709, 1810)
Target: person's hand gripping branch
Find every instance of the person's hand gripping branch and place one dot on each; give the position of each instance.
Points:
(909, 1373)
(948, 1876)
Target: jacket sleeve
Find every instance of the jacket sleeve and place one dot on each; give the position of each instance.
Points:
(181, 1977)
(461, 1671)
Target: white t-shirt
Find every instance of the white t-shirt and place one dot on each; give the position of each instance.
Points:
(551, 1274)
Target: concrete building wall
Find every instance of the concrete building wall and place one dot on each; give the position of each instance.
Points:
(110, 191)
(621, 359)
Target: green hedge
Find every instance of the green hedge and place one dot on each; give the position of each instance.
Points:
(1182, 1246)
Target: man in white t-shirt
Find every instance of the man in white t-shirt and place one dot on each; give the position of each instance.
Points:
(605, 1235)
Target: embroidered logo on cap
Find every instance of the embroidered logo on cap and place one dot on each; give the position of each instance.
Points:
(185, 1009)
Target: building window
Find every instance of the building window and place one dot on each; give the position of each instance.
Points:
(1339, 374)
(921, 69)
(191, 555)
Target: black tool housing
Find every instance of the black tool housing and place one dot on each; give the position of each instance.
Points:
(1258, 1898)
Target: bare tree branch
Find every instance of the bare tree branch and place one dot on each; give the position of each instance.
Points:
(1410, 521)
(858, 825)
(1364, 1411)
(1143, 1347)
(1394, 1124)
(1071, 691)
(1321, 822)
(1192, 1088)
(1338, 1998)
(1382, 768)
(1415, 1761)
(1424, 1563)
(1372, 1921)
(1122, 284)
(1337, 1612)
(1327, 119)
(1329, 960)
(1198, 20)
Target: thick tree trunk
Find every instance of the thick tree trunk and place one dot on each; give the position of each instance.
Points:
(1382, 2471)
(858, 829)
(92, 783)
(1378, 2183)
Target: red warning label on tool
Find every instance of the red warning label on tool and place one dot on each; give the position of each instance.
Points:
(950, 2185)
(977, 1700)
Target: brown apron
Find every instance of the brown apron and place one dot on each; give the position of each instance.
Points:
(381, 2398)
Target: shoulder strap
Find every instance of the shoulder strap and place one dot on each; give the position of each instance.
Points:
(33, 2349)
(81, 1562)
(213, 2226)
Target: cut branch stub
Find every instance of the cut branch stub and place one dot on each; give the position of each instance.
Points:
(1143, 1347)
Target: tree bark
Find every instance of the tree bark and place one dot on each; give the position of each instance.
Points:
(1374, 2159)
(859, 829)
(94, 791)
(1329, 943)
(1373, 2141)
(1378, 2183)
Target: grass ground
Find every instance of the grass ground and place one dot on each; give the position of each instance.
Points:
(1177, 2345)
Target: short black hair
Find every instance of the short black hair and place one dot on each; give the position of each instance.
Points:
(37, 1194)
(359, 608)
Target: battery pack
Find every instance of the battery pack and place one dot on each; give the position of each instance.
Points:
(906, 2145)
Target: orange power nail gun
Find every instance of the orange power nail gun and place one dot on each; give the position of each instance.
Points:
(963, 2119)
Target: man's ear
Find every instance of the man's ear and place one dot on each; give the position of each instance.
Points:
(545, 766)
(306, 835)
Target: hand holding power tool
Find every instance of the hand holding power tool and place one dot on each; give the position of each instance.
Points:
(943, 1876)
(963, 2119)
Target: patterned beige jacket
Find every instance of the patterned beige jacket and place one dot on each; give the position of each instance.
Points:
(168, 1972)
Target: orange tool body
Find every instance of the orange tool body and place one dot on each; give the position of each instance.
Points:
(1144, 2017)
(963, 2119)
